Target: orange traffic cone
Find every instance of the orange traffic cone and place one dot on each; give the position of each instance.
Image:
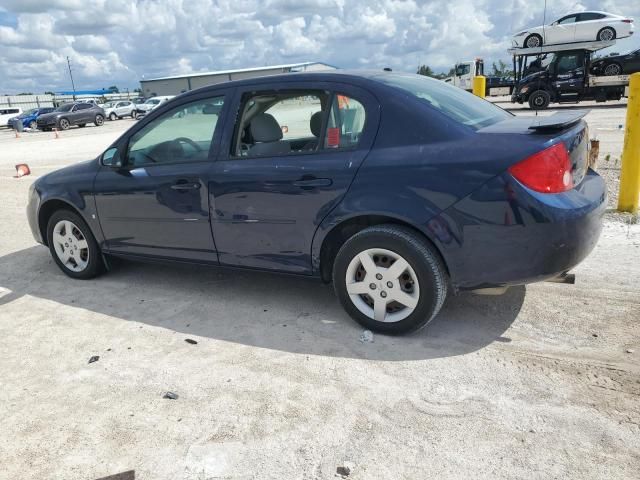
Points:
(22, 169)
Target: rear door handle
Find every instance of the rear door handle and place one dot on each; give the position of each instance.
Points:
(185, 186)
(313, 182)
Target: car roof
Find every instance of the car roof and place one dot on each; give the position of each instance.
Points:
(340, 76)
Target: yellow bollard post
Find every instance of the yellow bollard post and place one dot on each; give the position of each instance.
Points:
(480, 85)
(630, 172)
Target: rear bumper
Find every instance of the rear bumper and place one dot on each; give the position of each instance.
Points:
(505, 234)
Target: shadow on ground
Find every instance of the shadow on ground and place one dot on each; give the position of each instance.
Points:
(257, 309)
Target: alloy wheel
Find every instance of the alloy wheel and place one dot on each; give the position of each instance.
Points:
(613, 69)
(64, 124)
(382, 285)
(606, 35)
(533, 42)
(70, 246)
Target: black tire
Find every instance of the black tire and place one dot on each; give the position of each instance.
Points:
(112, 116)
(612, 69)
(99, 120)
(134, 114)
(532, 41)
(82, 125)
(421, 257)
(539, 100)
(33, 125)
(64, 124)
(95, 265)
(606, 34)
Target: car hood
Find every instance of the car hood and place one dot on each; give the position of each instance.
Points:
(49, 116)
(533, 76)
(67, 174)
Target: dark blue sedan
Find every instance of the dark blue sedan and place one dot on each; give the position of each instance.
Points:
(398, 188)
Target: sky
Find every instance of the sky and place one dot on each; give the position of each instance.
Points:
(119, 42)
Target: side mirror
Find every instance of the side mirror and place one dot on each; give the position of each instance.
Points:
(111, 158)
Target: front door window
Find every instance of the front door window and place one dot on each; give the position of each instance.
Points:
(182, 135)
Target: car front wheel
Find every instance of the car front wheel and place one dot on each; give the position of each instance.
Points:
(112, 117)
(539, 100)
(33, 125)
(134, 114)
(64, 124)
(73, 246)
(612, 69)
(389, 279)
(99, 120)
(533, 41)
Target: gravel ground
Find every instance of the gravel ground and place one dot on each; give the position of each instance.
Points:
(542, 382)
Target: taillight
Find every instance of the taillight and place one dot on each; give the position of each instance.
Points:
(548, 171)
(627, 20)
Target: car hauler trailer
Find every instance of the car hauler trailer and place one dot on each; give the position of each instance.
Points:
(561, 74)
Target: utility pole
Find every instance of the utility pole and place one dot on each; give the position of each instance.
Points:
(71, 75)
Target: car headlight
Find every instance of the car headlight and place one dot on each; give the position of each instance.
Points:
(524, 89)
(520, 34)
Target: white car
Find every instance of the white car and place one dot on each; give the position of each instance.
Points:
(120, 109)
(576, 27)
(152, 103)
(7, 113)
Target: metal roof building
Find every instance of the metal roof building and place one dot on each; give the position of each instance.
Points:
(183, 83)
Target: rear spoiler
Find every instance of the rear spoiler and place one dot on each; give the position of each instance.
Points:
(536, 124)
(557, 121)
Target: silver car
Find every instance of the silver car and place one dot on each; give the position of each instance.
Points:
(120, 109)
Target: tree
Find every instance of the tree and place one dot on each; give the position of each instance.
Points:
(428, 72)
(25, 93)
(501, 69)
(113, 89)
(49, 93)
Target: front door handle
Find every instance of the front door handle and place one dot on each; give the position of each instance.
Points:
(313, 182)
(185, 186)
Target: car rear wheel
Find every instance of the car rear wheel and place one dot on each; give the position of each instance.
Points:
(112, 116)
(73, 246)
(134, 114)
(389, 279)
(64, 124)
(606, 34)
(613, 69)
(533, 41)
(539, 100)
(33, 125)
(99, 120)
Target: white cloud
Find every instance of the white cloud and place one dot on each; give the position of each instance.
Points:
(118, 41)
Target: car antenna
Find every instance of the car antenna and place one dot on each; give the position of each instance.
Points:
(544, 36)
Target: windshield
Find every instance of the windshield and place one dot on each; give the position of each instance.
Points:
(29, 112)
(109, 104)
(64, 108)
(152, 101)
(452, 101)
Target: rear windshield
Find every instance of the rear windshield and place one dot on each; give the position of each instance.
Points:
(452, 101)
